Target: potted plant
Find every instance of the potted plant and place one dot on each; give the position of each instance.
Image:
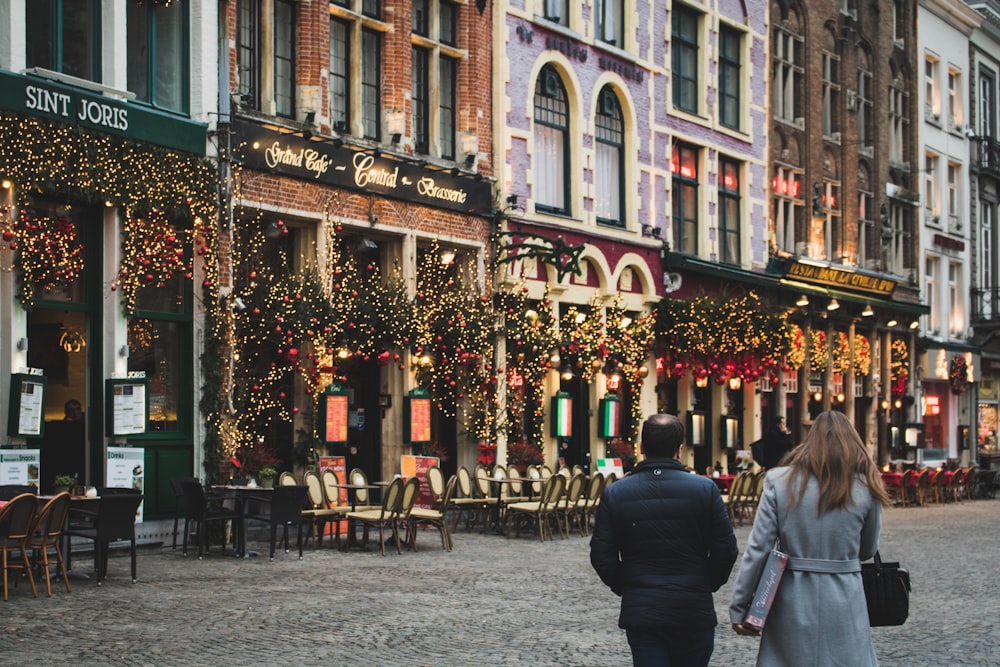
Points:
(63, 483)
(267, 475)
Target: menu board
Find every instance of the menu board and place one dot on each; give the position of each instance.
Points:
(338, 464)
(416, 466)
(126, 469)
(20, 466)
(335, 418)
(26, 416)
(127, 406)
(417, 417)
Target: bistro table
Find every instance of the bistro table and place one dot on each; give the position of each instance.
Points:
(352, 493)
(244, 495)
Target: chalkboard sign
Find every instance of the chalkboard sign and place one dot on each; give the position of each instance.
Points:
(26, 416)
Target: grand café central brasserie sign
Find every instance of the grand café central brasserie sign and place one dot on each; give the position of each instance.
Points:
(322, 162)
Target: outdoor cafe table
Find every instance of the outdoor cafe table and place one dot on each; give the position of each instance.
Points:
(526, 484)
(352, 492)
(244, 495)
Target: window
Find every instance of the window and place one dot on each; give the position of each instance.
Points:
(898, 22)
(64, 36)
(932, 99)
(729, 212)
(988, 259)
(684, 58)
(787, 83)
(610, 144)
(931, 206)
(867, 236)
(898, 122)
(557, 11)
(786, 188)
(987, 103)
(433, 79)
(157, 54)
(274, 94)
(355, 92)
(610, 26)
(831, 95)
(684, 197)
(421, 18)
(730, 61)
(551, 158)
(826, 239)
(954, 205)
(954, 98)
(956, 305)
(901, 251)
(931, 296)
(864, 105)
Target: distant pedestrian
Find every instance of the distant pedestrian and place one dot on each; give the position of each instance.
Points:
(663, 542)
(775, 444)
(824, 509)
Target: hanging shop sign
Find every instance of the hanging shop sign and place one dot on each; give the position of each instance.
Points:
(330, 163)
(38, 96)
(417, 417)
(334, 410)
(610, 417)
(26, 415)
(562, 415)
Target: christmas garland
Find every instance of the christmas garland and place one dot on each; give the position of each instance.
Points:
(49, 253)
(958, 374)
(899, 368)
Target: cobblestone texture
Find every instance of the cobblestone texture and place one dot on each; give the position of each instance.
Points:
(494, 601)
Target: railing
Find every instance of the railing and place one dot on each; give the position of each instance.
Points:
(987, 155)
(986, 305)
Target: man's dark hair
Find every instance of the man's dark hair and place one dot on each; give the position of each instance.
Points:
(662, 436)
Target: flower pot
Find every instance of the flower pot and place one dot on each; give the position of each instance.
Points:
(267, 482)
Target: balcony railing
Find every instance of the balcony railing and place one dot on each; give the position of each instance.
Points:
(987, 155)
(986, 305)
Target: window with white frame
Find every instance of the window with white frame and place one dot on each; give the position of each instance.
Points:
(551, 134)
(955, 302)
(898, 122)
(988, 259)
(930, 294)
(609, 131)
(831, 95)
(729, 211)
(684, 57)
(610, 22)
(826, 238)
(955, 117)
(902, 241)
(274, 94)
(355, 93)
(556, 11)
(865, 108)
(730, 65)
(954, 197)
(787, 83)
(987, 103)
(931, 206)
(684, 197)
(786, 189)
(932, 97)
(433, 74)
(867, 234)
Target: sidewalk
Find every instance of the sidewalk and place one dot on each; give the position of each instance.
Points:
(492, 601)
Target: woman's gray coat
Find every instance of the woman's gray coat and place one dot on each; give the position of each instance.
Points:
(819, 616)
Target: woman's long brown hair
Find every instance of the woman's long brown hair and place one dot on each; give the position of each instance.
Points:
(834, 454)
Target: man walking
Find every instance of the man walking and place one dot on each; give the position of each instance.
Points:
(663, 542)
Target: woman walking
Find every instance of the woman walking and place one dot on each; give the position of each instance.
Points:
(824, 509)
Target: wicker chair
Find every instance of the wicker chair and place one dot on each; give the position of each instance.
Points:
(435, 518)
(318, 514)
(541, 511)
(466, 503)
(17, 519)
(382, 518)
(47, 534)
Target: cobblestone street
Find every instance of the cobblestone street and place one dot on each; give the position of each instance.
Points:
(491, 601)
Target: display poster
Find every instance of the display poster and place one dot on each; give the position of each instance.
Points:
(335, 419)
(416, 466)
(338, 464)
(26, 416)
(610, 417)
(608, 466)
(20, 466)
(417, 417)
(562, 415)
(126, 469)
(128, 407)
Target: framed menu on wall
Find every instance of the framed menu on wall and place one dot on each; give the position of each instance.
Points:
(417, 417)
(126, 406)
(26, 416)
(334, 411)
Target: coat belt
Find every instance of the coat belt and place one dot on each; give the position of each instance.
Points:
(823, 565)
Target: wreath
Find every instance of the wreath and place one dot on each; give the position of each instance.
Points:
(49, 253)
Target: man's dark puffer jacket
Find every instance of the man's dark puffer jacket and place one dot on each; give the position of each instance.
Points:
(663, 541)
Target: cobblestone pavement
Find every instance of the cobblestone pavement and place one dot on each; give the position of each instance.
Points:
(493, 601)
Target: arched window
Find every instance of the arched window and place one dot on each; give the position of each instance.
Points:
(610, 171)
(551, 158)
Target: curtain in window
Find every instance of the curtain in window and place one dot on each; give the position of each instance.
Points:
(549, 176)
(608, 182)
(170, 48)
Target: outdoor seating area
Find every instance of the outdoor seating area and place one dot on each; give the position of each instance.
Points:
(936, 486)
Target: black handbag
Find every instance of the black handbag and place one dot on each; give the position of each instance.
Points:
(887, 590)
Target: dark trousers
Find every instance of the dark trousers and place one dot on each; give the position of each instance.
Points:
(671, 647)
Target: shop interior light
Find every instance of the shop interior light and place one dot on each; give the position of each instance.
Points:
(868, 311)
(818, 396)
(803, 301)
(892, 322)
(914, 324)
(833, 305)
(735, 383)
(567, 372)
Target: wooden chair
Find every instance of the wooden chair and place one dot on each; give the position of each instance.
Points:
(435, 482)
(114, 520)
(569, 507)
(46, 534)
(435, 518)
(287, 479)
(464, 500)
(907, 489)
(970, 482)
(17, 519)
(540, 511)
(592, 498)
(317, 513)
(382, 518)
(733, 499)
(926, 489)
(411, 489)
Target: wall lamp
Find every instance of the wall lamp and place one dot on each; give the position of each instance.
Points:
(914, 324)
(512, 200)
(566, 373)
(892, 322)
(833, 305)
(868, 311)
(803, 301)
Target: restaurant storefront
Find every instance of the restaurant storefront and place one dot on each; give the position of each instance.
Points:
(108, 210)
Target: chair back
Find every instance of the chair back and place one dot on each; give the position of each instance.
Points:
(287, 479)
(411, 489)
(464, 482)
(392, 498)
(116, 516)
(11, 491)
(546, 472)
(331, 488)
(286, 504)
(553, 491)
(359, 477)
(575, 488)
(482, 482)
(194, 499)
(515, 489)
(51, 519)
(499, 472)
(176, 483)
(17, 517)
(435, 482)
(610, 479)
(536, 475)
(449, 493)
(578, 470)
(315, 487)
(595, 487)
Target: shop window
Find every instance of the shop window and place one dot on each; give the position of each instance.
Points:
(684, 196)
(610, 171)
(64, 36)
(684, 58)
(551, 158)
(275, 94)
(157, 54)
